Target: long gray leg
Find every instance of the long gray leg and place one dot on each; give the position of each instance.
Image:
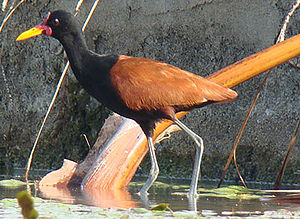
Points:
(154, 169)
(198, 157)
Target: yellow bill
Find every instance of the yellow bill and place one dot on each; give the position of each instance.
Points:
(35, 31)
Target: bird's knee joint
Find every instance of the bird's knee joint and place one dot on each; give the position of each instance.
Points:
(199, 141)
(154, 172)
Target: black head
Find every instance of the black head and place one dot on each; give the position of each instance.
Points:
(62, 23)
(58, 24)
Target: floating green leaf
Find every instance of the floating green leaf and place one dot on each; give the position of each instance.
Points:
(161, 207)
(231, 192)
(12, 183)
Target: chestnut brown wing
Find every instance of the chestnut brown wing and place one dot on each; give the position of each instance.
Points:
(145, 84)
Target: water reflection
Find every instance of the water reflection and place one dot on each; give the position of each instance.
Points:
(119, 198)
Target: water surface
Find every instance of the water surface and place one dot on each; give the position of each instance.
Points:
(211, 202)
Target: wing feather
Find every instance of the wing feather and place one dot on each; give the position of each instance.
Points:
(145, 84)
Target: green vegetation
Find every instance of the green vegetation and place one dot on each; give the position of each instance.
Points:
(26, 203)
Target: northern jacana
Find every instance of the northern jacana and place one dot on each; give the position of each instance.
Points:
(142, 89)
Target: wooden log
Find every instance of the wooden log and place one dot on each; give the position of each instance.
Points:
(121, 155)
(60, 177)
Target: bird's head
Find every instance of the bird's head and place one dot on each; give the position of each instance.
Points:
(56, 24)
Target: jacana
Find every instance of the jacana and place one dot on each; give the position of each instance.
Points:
(142, 89)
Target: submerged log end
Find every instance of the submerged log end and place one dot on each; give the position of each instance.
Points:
(60, 177)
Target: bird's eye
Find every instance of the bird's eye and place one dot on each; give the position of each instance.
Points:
(56, 21)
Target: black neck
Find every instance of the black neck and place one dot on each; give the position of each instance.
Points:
(76, 49)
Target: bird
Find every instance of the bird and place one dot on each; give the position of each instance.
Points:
(141, 89)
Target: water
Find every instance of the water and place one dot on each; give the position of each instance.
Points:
(172, 192)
